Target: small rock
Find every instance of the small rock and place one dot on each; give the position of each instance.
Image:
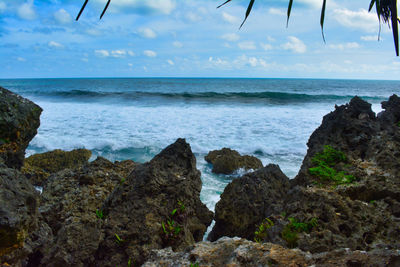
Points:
(227, 161)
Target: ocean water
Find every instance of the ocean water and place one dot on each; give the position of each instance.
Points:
(119, 119)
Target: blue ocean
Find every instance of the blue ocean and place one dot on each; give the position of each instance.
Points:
(119, 119)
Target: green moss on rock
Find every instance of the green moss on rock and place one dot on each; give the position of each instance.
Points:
(38, 167)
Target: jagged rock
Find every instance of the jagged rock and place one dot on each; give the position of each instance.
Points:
(340, 221)
(227, 161)
(69, 203)
(136, 211)
(38, 167)
(19, 120)
(228, 252)
(247, 201)
(235, 252)
(319, 216)
(18, 215)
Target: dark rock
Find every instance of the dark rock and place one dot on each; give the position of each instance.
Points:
(18, 215)
(319, 216)
(247, 201)
(227, 161)
(391, 115)
(38, 167)
(71, 207)
(136, 210)
(19, 120)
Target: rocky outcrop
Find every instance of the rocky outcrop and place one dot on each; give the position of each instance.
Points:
(38, 167)
(18, 214)
(19, 120)
(227, 161)
(157, 206)
(346, 195)
(235, 252)
(71, 207)
(247, 201)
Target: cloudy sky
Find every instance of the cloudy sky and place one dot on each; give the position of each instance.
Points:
(189, 38)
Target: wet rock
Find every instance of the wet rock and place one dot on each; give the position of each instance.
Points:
(227, 161)
(163, 193)
(19, 120)
(38, 167)
(71, 207)
(18, 215)
(247, 201)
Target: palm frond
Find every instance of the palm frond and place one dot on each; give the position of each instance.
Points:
(83, 7)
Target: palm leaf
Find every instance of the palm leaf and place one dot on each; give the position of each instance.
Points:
(83, 7)
(395, 28)
(322, 19)
(224, 3)
(289, 9)
(247, 12)
(104, 10)
(371, 5)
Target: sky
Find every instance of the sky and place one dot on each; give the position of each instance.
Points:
(192, 38)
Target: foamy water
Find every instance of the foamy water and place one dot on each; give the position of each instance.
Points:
(135, 119)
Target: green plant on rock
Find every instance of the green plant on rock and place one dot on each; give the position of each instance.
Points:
(4, 141)
(196, 264)
(173, 227)
(293, 228)
(131, 262)
(118, 239)
(262, 230)
(324, 166)
(99, 214)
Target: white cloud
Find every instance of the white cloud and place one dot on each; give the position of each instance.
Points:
(361, 19)
(147, 33)
(130, 65)
(370, 38)
(170, 62)
(21, 59)
(231, 37)
(131, 53)
(149, 53)
(295, 45)
(247, 45)
(277, 11)
(3, 7)
(53, 44)
(118, 53)
(62, 16)
(26, 11)
(344, 46)
(85, 59)
(102, 53)
(177, 44)
(229, 18)
(266, 47)
(192, 17)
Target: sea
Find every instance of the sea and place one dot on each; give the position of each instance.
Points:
(135, 118)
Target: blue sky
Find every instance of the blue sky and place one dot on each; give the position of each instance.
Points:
(188, 38)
